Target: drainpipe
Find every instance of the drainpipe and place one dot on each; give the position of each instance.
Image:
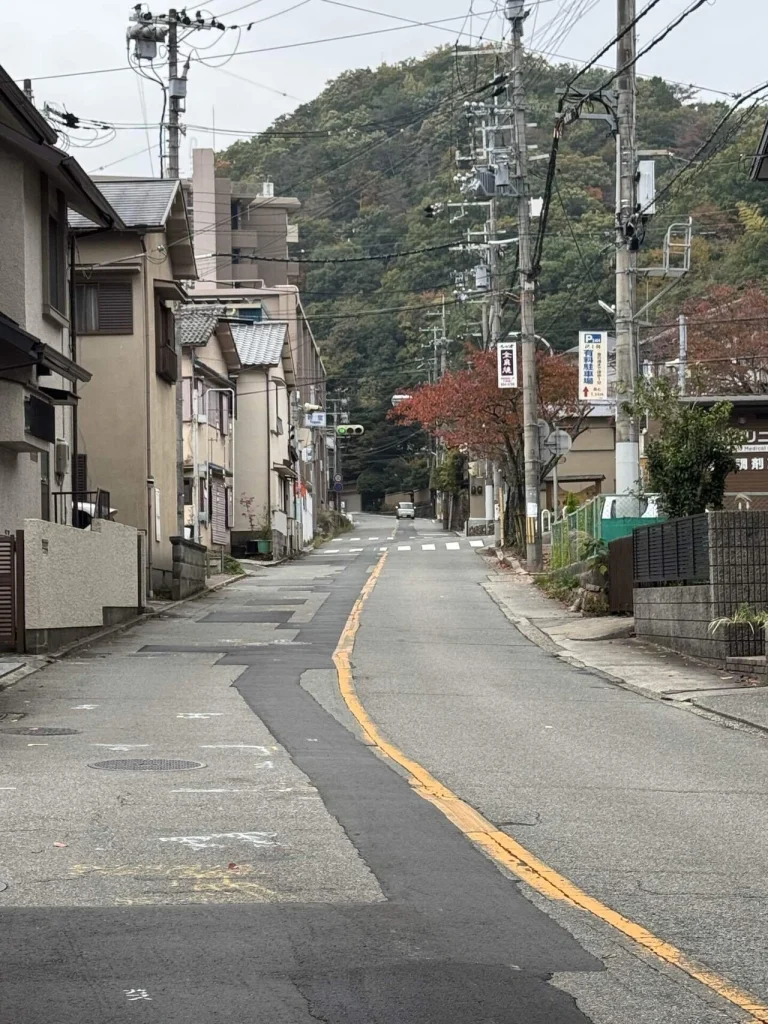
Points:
(73, 354)
(195, 457)
(269, 453)
(148, 318)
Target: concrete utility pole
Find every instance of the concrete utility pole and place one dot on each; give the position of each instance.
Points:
(516, 15)
(174, 100)
(682, 359)
(627, 448)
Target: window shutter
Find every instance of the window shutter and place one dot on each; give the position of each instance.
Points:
(225, 400)
(115, 307)
(219, 514)
(80, 474)
(186, 399)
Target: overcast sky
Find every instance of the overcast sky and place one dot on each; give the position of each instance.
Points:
(720, 46)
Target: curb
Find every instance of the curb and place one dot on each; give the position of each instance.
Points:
(550, 646)
(49, 659)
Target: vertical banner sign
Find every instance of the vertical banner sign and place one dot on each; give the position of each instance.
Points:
(593, 366)
(506, 361)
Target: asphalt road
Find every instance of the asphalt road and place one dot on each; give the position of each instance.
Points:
(295, 876)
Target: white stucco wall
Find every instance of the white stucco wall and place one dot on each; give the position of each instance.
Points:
(71, 575)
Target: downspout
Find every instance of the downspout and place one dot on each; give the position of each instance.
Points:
(73, 353)
(195, 455)
(148, 317)
(269, 453)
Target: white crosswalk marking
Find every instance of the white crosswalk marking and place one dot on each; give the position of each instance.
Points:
(383, 549)
(332, 551)
(404, 547)
(476, 543)
(427, 547)
(453, 546)
(373, 538)
(354, 551)
(353, 539)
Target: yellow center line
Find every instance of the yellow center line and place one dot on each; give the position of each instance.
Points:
(505, 850)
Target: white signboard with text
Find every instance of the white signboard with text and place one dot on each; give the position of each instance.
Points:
(506, 361)
(593, 366)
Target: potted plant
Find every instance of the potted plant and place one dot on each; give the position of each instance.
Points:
(260, 523)
(744, 631)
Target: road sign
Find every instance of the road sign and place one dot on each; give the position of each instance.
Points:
(338, 478)
(338, 486)
(544, 430)
(506, 364)
(558, 443)
(593, 366)
(314, 419)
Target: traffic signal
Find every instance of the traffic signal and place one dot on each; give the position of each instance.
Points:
(349, 430)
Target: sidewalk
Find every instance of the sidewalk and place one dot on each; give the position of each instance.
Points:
(605, 645)
(15, 667)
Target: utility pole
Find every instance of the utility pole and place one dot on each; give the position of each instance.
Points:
(516, 15)
(174, 99)
(682, 359)
(627, 448)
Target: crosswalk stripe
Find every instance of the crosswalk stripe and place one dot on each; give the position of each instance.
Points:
(354, 551)
(427, 547)
(373, 538)
(453, 546)
(352, 539)
(384, 549)
(332, 551)
(404, 547)
(476, 543)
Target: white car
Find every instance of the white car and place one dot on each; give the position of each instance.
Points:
(405, 510)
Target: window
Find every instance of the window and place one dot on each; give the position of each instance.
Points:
(188, 491)
(54, 237)
(226, 412)
(235, 256)
(236, 213)
(167, 364)
(213, 400)
(104, 307)
(203, 495)
(45, 486)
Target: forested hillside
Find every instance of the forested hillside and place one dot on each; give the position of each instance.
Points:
(377, 147)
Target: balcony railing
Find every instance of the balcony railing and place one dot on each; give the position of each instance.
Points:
(80, 508)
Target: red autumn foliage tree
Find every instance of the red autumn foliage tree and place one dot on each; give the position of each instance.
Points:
(727, 342)
(468, 410)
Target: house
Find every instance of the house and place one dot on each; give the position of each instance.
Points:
(41, 366)
(242, 235)
(128, 284)
(267, 501)
(210, 367)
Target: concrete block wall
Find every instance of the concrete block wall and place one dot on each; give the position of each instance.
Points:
(190, 567)
(77, 581)
(679, 618)
(738, 559)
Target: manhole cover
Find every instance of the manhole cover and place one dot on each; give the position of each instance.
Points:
(143, 764)
(31, 730)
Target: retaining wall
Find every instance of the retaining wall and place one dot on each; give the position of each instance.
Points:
(190, 567)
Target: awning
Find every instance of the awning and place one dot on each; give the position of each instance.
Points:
(170, 290)
(38, 353)
(285, 471)
(57, 396)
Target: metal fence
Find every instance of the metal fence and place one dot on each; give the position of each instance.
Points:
(673, 552)
(574, 536)
(80, 508)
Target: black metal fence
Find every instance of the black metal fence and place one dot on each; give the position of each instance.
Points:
(80, 508)
(673, 552)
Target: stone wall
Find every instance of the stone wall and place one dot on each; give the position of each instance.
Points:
(77, 581)
(679, 618)
(190, 565)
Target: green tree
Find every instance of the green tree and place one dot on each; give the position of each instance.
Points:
(693, 453)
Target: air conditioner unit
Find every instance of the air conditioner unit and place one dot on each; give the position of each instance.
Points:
(202, 417)
(202, 517)
(61, 457)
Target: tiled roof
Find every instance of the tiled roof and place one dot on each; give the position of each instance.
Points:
(259, 344)
(195, 324)
(140, 203)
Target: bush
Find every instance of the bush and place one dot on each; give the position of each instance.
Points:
(560, 585)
